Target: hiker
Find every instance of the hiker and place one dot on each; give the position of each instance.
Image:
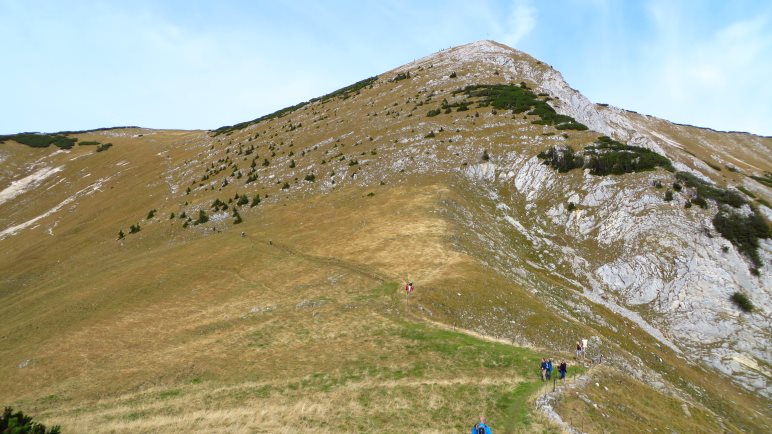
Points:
(543, 367)
(409, 287)
(562, 369)
(549, 369)
(481, 428)
(578, 349)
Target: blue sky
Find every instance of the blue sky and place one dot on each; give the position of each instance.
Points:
(71, 65)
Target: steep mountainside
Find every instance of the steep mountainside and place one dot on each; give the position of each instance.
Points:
(160, 280)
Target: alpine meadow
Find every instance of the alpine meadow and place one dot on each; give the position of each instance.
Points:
(251, 278)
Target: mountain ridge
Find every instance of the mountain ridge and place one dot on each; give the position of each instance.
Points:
(494, 243)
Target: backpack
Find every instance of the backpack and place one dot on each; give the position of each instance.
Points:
(480, 429)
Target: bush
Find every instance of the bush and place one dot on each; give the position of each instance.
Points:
(743, 231)
(285, 186)
(344, 93)
(292, 164)
(668, 196)
(242, 200)
(571, 206)
(677, 186)
(742, 301)
(706, 190)
(202, 218)
(19, 423)
(121, 235)
(255, 201)
(452, 75)
(103, 147)
(151, 214)
(236, 217)
(310, 177)
(37, 140)
(433, 113)
(520, 100)
(431, 135)
(485, 156)
(133, 229)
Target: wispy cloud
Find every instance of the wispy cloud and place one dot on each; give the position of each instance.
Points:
(520, 22)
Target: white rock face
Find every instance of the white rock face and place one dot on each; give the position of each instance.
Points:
(654, 256)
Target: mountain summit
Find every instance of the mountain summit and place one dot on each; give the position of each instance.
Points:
(249, 277)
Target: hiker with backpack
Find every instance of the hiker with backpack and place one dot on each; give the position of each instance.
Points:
(543, 367)
(481, 428)
(563, 369)
(549, 369)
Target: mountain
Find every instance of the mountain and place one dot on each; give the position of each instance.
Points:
(248, 279)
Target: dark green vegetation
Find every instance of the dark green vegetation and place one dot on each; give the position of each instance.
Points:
(605, 157)
(103, 147)
(39, 140)
(19, 423)
(743, 231)
(519, 99)
(344, 93)
(742, 301)
(766, 179)
(709, 191)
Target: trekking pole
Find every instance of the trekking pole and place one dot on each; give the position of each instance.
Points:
(554, 382)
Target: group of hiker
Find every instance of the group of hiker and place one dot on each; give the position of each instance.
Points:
(547, 367)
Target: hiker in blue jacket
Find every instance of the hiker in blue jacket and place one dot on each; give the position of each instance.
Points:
(549, 369)
(481, 428)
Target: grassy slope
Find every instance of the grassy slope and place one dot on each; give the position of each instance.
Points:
(157, 333)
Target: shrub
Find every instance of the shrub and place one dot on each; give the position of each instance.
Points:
(668, 196)
(242, 200)
(236, 217)
(561, 159)
(266, 163)
(88, 143)
(743, 231)
(571, 206)
(401, 76)
(485, 156)
(353, 163)
(452, 75)
(255, 201)
(103, 147)
(520, 100)
(38, 140)
(151, 214)
(677, 186)
(310, 177)
(285, 186)
(19, 423)
(700, 202)
(433, 113)
(344, 93)
(133, 229)
(742, 301)
(121, 235)
(706, 190)
(292, 164)
(430, 135)
(202, 217)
